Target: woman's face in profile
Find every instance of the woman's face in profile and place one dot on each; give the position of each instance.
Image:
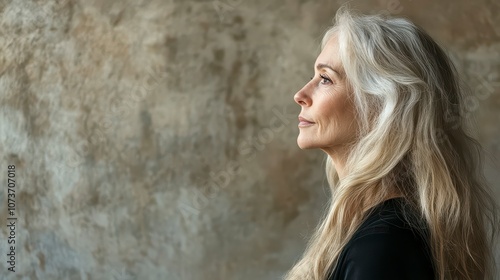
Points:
(327, 117)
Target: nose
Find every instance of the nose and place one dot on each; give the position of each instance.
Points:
(302, 96)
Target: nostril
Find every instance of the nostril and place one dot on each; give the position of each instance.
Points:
(298, 99)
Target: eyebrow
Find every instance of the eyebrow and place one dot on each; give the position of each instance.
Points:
(323, 65)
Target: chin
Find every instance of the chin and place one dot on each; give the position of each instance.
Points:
(304, 145)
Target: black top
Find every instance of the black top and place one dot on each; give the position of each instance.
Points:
(386, 247)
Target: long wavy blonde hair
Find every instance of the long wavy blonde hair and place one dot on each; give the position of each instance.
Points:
(415, 141)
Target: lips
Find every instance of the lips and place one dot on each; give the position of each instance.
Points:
(304, 122)
(302, 119)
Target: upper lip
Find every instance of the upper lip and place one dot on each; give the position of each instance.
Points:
(302, 119)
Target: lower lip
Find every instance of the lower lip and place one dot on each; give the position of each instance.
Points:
(305, 124)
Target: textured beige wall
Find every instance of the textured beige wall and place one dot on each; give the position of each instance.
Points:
(155, 139)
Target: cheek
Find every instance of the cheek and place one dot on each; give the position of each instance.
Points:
(336, 120)
(332, 114)
(332, 125)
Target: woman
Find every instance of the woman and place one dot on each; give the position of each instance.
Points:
(408, 198)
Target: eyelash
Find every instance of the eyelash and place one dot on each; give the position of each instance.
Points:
(324, 78)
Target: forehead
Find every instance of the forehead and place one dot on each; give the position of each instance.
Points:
(329, 54)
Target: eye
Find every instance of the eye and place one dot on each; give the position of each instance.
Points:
(325, 80)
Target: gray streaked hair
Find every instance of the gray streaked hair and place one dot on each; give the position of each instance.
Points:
(414, 139)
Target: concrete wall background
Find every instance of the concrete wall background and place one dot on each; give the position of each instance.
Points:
(155, 139)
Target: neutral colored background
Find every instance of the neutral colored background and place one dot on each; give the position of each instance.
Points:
(156, 139)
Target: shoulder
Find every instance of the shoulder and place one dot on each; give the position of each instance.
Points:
(387, 246)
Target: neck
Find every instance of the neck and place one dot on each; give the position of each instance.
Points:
(339, 158)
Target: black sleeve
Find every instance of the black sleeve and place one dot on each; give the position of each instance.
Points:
(387, 255)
